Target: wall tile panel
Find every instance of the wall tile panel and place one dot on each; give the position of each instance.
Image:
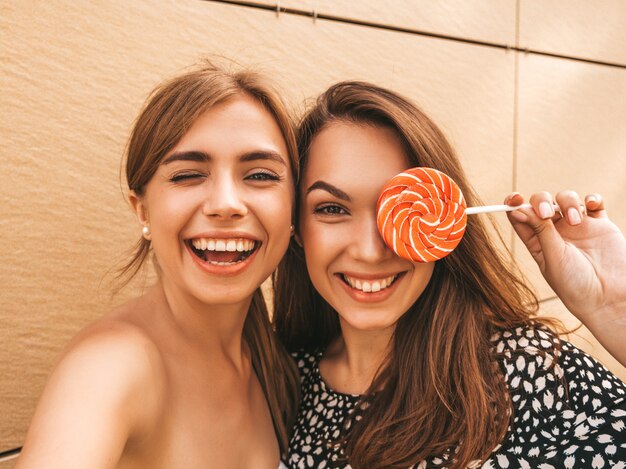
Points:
(571, 135)
(480, 20)
(590, 30)
(10, 464)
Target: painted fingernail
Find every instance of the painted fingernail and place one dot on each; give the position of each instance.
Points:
(511, 196)
(545, 210)
(573, 216)
(592, 198)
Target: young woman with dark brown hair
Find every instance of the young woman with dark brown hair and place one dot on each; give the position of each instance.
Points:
(189, 375)
(438, 364)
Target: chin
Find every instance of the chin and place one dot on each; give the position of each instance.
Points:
(366, 323)
(219, 296)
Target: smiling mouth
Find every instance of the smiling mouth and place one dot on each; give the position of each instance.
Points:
(370, 285)
(221, 251)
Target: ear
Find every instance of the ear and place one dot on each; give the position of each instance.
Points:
(139, 207)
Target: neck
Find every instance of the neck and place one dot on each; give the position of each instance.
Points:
(353, 360)
(217, 329)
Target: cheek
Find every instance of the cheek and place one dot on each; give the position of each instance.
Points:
(323, 243)
(274, 212)
(278, 204)
(171, 207)
(422, 273)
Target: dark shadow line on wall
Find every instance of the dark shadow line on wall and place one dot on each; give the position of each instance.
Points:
(387, 27)
(548, 299)
(10, 454)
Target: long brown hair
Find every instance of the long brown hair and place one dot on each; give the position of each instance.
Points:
(440, 389)
(171, 110)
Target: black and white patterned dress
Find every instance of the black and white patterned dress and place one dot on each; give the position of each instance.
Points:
(568, 415)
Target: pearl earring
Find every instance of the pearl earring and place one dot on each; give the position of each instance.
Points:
(146, 231)
(292, 228)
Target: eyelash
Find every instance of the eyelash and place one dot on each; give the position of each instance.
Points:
(323, 210)
(265, 176)
(258, 176)
(182, 177)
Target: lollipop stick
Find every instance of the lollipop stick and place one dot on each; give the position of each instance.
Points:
(501, 208)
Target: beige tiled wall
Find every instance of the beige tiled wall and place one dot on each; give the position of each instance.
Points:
(8, 464)
(579, 28)
(74, 75)
(571, 135)
(480, 20)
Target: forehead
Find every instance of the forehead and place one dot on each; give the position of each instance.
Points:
(355, 155)
(240, 121)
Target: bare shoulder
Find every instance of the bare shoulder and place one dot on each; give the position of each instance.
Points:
(107, 388)
(116, 356)
(115, 344)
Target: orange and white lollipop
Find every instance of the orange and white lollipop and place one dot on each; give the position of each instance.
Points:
(421, 214)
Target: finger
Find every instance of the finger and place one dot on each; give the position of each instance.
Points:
(540, 220)
(595, 206)
(518, 219)
(513, 199)
(543, 206)
(571, 206)
(528, 224)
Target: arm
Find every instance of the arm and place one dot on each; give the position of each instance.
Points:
(92, 405)
(582, 257)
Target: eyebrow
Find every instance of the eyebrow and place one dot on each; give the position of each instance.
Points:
(197, 156)
(267, 155)
(330, 189)
(201, 157)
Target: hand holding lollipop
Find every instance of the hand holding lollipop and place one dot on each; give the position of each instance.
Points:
(421, 214)
(583, 259)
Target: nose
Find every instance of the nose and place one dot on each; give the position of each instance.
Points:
(224, 199)
(368, 245)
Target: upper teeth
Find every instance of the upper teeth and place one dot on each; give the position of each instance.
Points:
(221, 244)
(370, 285)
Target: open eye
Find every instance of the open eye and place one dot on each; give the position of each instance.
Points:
(330, 210)
(263, 175)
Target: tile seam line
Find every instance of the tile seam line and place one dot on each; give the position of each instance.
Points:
(416, 32)
(10, 454)
(548, 298)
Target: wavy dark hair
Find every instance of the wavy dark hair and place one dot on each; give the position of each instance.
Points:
(440, 388)
(171, 110)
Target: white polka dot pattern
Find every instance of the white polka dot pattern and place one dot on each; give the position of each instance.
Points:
(567, 414)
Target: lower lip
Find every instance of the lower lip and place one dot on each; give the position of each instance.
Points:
(223, 270)
(371, 297)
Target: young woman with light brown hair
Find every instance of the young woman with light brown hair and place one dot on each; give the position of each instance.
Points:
(438, 364)
(189, 374)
